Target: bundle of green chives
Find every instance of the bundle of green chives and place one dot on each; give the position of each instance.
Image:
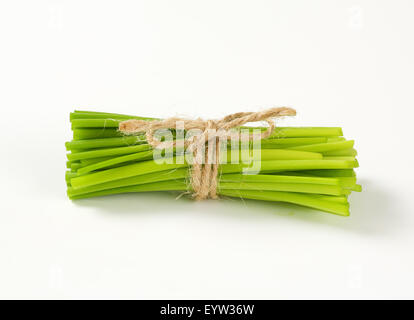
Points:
(308, 166)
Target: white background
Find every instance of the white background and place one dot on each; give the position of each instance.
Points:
(339, 63)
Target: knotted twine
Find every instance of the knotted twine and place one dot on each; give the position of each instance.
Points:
(204, 176)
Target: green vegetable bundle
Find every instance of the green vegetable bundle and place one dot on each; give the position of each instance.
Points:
(308, 166)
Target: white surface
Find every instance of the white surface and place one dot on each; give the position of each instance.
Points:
(339, 63)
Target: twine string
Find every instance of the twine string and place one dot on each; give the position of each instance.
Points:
(204, 173)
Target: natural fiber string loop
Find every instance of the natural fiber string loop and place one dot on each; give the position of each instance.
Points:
(204, 176)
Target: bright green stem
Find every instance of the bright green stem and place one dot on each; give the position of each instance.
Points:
(103, 115)
(345, 152)
(126, 171)
(339, 158)
(292, 187)
(69, 175)
(69, 163)
(104, 143)
(324, 147)
(284, 132)
(339, 199)
(87, 162)
(136, 180)
(107, 152)
(95, 123)
(290, 142)
(296, 198)
(270, 178)
(289, 165)
(75, 166)
(328, 173)
(146, 155)
(80, 134)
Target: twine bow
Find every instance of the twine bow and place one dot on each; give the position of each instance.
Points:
(204, 176)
